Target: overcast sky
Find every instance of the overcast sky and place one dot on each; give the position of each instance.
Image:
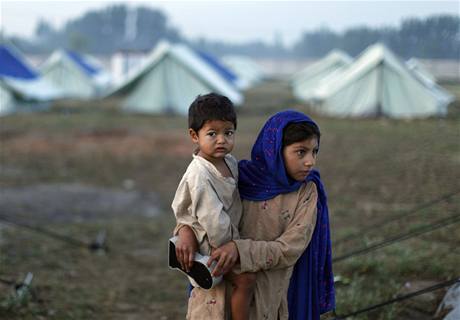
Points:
(235, 21)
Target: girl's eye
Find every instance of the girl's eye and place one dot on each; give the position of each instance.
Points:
(211, 134)
(230, 133)
(300, 153)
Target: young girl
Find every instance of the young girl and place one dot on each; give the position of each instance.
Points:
(285, 225)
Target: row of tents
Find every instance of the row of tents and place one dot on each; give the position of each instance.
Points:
(171, 77)
(376, 83)
(65, 75)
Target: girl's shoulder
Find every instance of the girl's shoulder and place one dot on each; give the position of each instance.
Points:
(307, 187)
(306, 191)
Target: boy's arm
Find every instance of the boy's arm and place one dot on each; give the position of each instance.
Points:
(286, 249)
(211, 215)
(186, 246)
(226, 255)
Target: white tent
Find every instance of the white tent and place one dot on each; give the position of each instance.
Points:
(21, 87)
(7, 101)
(249, 72)
(172, 77)
(219, 67)
(379, 84)
(306, 81)
(78, 76)
(124, 63)
(420, 70)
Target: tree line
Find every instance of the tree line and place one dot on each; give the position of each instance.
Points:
(118, 27)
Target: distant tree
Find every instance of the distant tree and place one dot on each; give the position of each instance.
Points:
(104, 31)
(44, 30)
(78, 42)
(433, 37)
(355, 40)
(316, 43)
(119, 27)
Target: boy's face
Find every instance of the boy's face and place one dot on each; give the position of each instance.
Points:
(300, 158)
(215, 139)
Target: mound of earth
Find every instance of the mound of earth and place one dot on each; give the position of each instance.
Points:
(75, 202)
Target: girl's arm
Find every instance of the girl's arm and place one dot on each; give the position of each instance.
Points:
(280, 253)
(287, 248)
(226, 255)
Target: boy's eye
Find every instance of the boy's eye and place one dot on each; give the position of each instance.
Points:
(230, 133)
(211, 134)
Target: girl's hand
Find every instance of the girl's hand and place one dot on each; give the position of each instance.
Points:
(226, 257)
(186, 246)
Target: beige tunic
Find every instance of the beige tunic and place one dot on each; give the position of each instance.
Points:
(274, 234)
(210, 205)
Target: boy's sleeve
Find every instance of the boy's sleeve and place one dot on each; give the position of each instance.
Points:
(180, 207)
(286, 249)
(209, 211)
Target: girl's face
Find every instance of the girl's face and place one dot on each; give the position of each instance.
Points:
(300, 158)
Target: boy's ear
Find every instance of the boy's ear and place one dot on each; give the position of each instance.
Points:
(193, 134)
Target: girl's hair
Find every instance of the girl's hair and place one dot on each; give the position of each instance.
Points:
(208, 107)
(299, 131)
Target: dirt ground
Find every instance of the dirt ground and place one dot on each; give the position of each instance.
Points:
(76, 203)
(79, 173)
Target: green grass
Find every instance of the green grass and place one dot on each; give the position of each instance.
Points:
(372, 169)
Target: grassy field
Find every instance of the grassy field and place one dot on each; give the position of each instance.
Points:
(372, 169)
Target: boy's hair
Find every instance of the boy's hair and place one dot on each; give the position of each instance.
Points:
(299, 131)
(210, 106)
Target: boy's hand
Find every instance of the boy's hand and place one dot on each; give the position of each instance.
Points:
(226, 257)
(186, 246)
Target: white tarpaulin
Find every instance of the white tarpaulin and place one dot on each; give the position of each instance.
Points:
(20, 84)
(6, 100)
(171, 78)
(451, 303)
(307, 80)
(420, 70)
(379, 84)
(249, 72)
(76, 75)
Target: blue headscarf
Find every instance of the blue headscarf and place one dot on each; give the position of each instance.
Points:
(311, 289)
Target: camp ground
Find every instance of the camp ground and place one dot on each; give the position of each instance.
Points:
(78, 76)
(171, 77)
(21, 87)
(94, 141)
